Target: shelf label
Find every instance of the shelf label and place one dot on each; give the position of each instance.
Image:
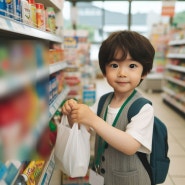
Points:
(27, 29)
(3, 24)
(49, 172)
(52, 110)
(56, 105)
(17, 27)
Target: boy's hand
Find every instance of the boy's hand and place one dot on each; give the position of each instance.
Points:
(68, 106)
(82, 114)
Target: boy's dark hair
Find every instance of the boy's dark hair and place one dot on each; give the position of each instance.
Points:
(138, 46)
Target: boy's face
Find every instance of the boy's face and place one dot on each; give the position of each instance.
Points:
(124, 76)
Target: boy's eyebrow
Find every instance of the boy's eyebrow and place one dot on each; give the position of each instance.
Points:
(131, 59)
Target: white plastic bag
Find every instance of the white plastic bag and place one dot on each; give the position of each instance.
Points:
(72, 149)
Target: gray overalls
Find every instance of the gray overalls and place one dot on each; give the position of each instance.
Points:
(116, 167)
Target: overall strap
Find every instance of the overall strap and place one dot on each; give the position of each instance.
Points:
(104, 102)
(101, 102)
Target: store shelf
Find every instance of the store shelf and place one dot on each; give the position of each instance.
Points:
(176, 55)
(57, 102)
(56, 4)
(171, 79)
(57, 67)
(174, 94)
(176, 42)
(153, 82)
(175, 67)
(174, 84)
(21, 75)
(48, 171)
(174, 103)
(13, 30)
(14, 82)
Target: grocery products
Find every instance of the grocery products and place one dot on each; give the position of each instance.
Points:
(32, 7)
(2, 7)
(17, 10)
(11, 172)
(40, 16)
(25, 12)
(9, 4)
(50, 19)
(31, 173)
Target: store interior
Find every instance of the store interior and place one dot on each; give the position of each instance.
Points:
(49, 53)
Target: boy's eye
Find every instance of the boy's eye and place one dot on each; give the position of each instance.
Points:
(132, 65)
(114, 65)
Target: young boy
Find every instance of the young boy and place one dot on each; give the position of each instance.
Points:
(125, 58)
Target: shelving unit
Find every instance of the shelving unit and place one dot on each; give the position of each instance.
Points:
(153, 82)
(16, 30)
(12, 83)
(174, 76)
(159, 40)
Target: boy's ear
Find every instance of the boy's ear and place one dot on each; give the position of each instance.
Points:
(143, 77)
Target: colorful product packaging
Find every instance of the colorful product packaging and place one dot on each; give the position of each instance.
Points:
(25, 12)
(32, 7)
(40, 16)
(17, 10)
(50, 20)
(9, 4)
(2, 7)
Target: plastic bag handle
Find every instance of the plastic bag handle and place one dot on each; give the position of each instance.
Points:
(64, 120)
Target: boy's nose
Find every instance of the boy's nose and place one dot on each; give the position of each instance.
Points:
(121, 73)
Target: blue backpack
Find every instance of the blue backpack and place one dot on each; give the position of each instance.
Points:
(158, 165)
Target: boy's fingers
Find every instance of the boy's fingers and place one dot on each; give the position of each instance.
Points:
(72, 103)
(66, 108)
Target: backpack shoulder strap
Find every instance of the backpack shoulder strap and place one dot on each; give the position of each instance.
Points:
(136, 106)
(133, 110)
(101, 102)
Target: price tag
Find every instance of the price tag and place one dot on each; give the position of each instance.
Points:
(17, 27)
(56, 104)
(52, 110)
(3, 24)
(26, 29)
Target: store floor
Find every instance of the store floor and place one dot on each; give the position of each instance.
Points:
(176, 133)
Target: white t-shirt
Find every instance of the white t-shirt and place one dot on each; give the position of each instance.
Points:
(140, 127)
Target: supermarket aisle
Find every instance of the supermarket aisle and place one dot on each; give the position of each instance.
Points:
(176, 129)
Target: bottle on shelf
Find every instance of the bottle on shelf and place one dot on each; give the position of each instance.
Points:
(32, 7)
(23, 178)
(50, 20)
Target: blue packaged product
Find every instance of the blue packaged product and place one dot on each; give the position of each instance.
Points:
(12, 171)
(2, 7)
(9, 8)
(3, 170)
(17, 10)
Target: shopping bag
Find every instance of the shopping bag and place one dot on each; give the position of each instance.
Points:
(72, 149)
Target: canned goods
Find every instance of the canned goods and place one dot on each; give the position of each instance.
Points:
(40, 16)
(50, 19)
(32, 13)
